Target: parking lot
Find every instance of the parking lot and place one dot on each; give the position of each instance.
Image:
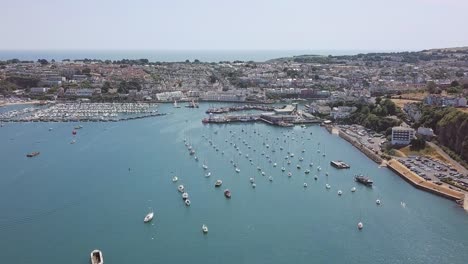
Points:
(434, 170)
(371, 140)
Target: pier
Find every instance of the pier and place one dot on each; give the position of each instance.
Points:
(227, 109)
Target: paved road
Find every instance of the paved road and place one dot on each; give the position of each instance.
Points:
(454, 163)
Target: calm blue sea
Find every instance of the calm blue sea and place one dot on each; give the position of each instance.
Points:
(73, 198)
(167, 55)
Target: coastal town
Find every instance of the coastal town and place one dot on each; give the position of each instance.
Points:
(391, 106)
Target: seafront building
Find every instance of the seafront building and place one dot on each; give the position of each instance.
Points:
(402, 135)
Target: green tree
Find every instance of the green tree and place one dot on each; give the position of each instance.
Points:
(86, 71)
(454, 84)
(105, 87)
(417, 144)
(431, 87)
(378, 100)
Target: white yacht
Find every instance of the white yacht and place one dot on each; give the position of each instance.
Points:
(208, 174)
(205, 167)
(327, 186)
(185, 196)
(353, 189)
(252, 180)
(360, 225)
(181, 188)
(340, 192)
(377, 202)
(187, 202)
(148, 217)
(204, 229)
(175, 179)
(218, 183)
(237, 170)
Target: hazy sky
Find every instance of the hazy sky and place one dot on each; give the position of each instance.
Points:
(233, 24)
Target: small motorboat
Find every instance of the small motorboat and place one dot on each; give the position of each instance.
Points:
(227, 193)
(74, 132)
(33, 154)
(148, 217)
(254, 185)
(237, 170)
(377, 202)
(181, 188)
(187, 202)
(218, 183)
(311, 164)
(298, 166)
(274, 164)
(252, 180)
(185, 196)
(175, 179)
(289, 174)
(208, 174)
(263, 173)
(327, 186)
(315, 177)
(204, 229)
(96, 257)
(305, 184)
(340, 192)
(307, 171)
(353, 189)
(270, 178)
(283, 168)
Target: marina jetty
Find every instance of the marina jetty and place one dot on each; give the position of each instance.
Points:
(339, 164)
(227, 109)
(83, 112)
(422, 184)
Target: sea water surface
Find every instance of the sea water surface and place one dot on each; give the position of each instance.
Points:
(94, 194)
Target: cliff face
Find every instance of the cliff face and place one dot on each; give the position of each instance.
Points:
(452, 132)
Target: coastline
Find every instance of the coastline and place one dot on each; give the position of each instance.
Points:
(418, 182)
(19, 103)
(376, 158)
(406, 174)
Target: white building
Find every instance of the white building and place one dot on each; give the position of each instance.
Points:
(342, 111)
(402, 135)
(425, 131)
(39, 90)
(169, 96)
